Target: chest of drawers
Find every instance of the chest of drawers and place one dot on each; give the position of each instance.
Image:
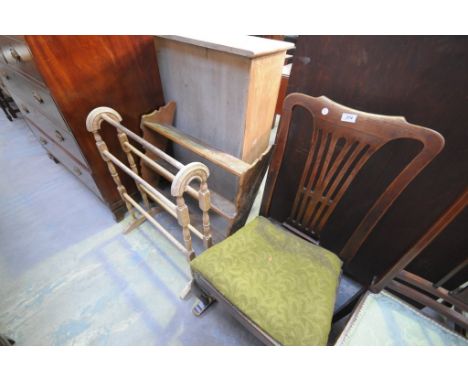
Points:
(25, 84)
(57, 80)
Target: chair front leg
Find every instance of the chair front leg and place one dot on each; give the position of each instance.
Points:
(204, 300)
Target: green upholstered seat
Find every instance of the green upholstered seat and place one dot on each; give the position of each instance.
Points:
(382, 319)
(284, 284)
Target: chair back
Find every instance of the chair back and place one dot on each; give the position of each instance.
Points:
(450, 303)
(342, 141)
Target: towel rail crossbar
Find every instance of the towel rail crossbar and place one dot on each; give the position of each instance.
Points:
(180, 182)
(141, 141)
(161, 170)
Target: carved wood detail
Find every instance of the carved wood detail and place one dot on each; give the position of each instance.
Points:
(342, 141)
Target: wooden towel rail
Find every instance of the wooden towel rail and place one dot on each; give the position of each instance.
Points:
(180, 182)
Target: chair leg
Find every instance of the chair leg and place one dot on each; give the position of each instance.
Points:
(204, 300)
(203, 303)
(459, 329)
(348, 306)
(186, 291)
(5, 341)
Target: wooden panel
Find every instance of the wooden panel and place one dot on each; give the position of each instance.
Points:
(265, 78)
(225, 90)
(206, 83)
(282, 93)
(238, 45)
(84, 72)
(425, 79)
(227, 162)
(209, 88)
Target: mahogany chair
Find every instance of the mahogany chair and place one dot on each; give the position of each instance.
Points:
(384, 319)
(274, 276)
(449, 303)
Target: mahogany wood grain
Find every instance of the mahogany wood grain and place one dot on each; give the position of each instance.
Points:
(84, 72)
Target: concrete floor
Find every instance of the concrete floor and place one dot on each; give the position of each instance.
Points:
(68, 276)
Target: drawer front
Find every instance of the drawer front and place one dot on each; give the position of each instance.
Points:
(16, 54)
(61, 136)
(71, 164)
(32, 95)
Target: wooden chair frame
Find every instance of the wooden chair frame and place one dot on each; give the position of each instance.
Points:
(323, 185)
(397, 279)
(364, 134)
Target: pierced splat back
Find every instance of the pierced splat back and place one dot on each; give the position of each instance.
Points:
(342, 141)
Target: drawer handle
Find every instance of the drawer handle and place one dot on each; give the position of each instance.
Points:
(59, 136)
(53, 158)
(37, 97)
(77, 171)
(43, 141)
(25, 109)
(16, 56)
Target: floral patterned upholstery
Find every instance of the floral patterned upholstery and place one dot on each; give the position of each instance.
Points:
(284, 284)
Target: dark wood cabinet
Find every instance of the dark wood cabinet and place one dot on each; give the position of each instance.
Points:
(57, 80)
